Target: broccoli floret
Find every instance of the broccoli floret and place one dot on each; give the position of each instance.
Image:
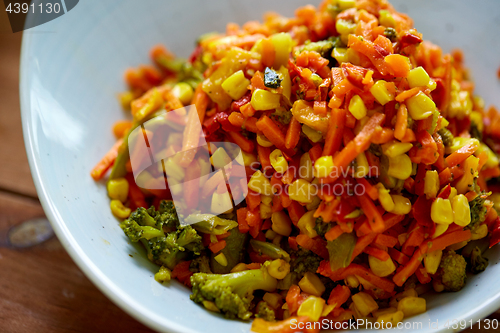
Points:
(271, 78)
(265, 312)
(446, 136)
(282, 115)
(142, 217)
(452, 271)
(136, 232)
(200, 264)
(167, 215)
(232, 293)
(477, 212)
(477, 261)
(303, 261)
(321, 227)
(391, 33)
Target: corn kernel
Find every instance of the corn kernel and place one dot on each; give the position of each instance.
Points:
(311, 284)
(399, 296)
(184, 92)
(431, 184)
(466, 182)
(286, 83)
(395, 148)
(402, 205)
(492, 159)
(220, 158)
(302, 191)
(164, 274)
(266, 211)
(411, 306)
(364, 303)
(263, 141)
(278, 268)
(461, 210)
(323, 166)
(441, 211)
(381, 93)
(362, 166)
(357, 107)
(351, 281)
(386, 19)
(306, 169)
(264, 100)
(327, 309)
(381, 268)
(312, 134)
(381, 312)
(432, 85)
(400, 167)
(480, 232)
(118, 209)
(221, 259)
(236, 85)
(384, 197)
(345, 27)
(221, 203)
(270, 234)
(273, 299)
(307, 223)
(260, 184)
(281, 223)
(340, 54)
(453, 193)
(174, 170)
(420, 106)
(437, 285)
(390, 320)
(283, 46)
(278, 162)
(477, 118)
(316, 201)
(432, 261)
(118, 189)
(418, 77)
(346, 4)
(312, 307)
(248, 158)
(239, 268)
(440, 229)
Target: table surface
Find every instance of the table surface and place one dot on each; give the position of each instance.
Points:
(41, 289)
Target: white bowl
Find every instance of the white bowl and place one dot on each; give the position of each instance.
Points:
(71, 71)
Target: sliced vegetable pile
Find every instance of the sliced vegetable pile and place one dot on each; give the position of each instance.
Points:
(372, 168)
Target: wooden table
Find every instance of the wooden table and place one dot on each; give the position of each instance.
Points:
(41, 289)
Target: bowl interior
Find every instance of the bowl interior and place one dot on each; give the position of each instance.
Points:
(71, 73)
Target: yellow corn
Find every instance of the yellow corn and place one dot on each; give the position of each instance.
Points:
(432, 85)
(411, 306)
(184, 92)
(441, 211)
(286, 83)
(323, 166)
(164, 274)
(312, 307)
(480, 232)
(266, 199)
(263, 141)
(340, 54)
(239, 268)
(477, 118)
(453, 193)
(302, 191)
(381, 93)
(260, 184)
(400, 167)
(312, 134)
(270, 234)
(381, 268)
(354, 214)
(391, 320)
(431, 184)
(420, 106)
(351, 281)
(264, 100)
(125, 99)
(273, 299)
(466, 182)
(327, 309)
(402, 205)
(438, 286)
(418, 77)
(236, 85)
(221, 259)
(346, 4)
(364, 303)
(492, 159)
(384, 197)
(386, 19)
(345, 27)
(265, 211)
(278, 162)
(306, 169)
(278, 268)
(118, 189)
(210, 306)
(316, 201)
(118, 209)
(381, 312)
(357, 107)
(220, 158)
(495, 198)
(283, 46)
(395, 148)
(277, 240)
(461, 210)
(281, 223)
(432, 261)
(248, 158)
(399, 296)
(307, 223)
(311, 284)
(221, 203)
(362, 166)
(440, 229)
(174, 170)
(459, 142)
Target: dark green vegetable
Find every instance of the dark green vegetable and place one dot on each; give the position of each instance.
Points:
(265, 312)
(234, 252)
(303, 261)
(446, 136)
(273, 251)
(475, 132)
(231, 293)
(321, 227)
(391, 33)
(340, 250)
(477, 212)
(452, 271)
(271, 78)
(200, 264)
(477, 261)
(282, 115)
(323, 47)
(210, 224)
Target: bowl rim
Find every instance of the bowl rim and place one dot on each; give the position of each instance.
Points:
(100, 280)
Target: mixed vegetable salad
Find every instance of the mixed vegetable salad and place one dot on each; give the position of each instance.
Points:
(372, 168)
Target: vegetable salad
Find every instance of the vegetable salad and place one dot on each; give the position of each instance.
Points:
(372, 168)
